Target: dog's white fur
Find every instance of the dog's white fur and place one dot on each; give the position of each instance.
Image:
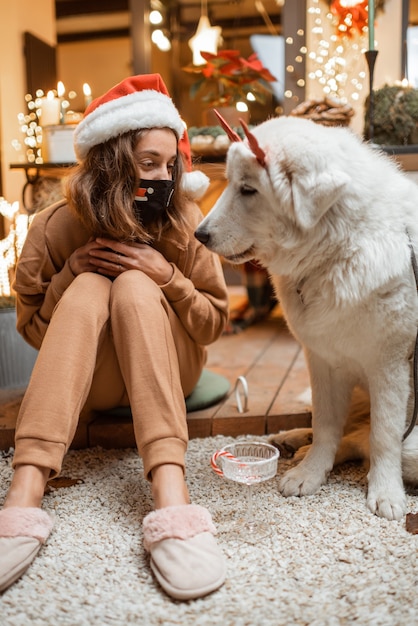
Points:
(329, 216)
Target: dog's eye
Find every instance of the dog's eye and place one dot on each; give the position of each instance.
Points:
(248, 191)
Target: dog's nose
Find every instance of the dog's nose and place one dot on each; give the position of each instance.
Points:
(202, 235)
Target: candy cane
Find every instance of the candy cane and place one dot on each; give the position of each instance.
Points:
(214, 458)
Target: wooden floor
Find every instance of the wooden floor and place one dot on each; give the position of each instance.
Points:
(265, 354)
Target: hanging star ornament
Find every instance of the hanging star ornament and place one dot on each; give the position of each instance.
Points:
(206, 39)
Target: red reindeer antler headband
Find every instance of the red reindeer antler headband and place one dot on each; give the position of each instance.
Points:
(252, 141)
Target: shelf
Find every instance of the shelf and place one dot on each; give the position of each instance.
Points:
(39, 166)
(406, 156)
(412, 149)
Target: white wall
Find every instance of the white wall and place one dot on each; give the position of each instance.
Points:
(102, 63)
(16, 17)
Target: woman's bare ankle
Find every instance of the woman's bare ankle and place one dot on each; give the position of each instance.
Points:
(168, 486)
(27, 487)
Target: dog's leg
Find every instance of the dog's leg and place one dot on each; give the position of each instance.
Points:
(331, 394)
(389, 391)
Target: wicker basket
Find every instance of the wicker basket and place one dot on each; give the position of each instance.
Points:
(327, 112)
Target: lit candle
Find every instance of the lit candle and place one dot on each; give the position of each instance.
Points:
(61, 92)
(87, 95)
(370, 23)
(50, 110)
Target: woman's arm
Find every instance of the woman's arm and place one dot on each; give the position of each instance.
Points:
(44, 270)
(201, 300)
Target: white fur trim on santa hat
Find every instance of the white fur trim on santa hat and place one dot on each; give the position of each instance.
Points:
(195, 184)
(142, 109)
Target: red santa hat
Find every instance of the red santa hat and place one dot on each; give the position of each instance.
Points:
(137, 102)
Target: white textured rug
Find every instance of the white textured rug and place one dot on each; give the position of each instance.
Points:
(328, 561)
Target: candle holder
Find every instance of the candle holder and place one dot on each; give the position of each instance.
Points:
(371, 56)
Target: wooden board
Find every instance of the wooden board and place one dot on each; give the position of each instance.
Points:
(265, 354)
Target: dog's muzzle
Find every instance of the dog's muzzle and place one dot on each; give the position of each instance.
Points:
(203, 235)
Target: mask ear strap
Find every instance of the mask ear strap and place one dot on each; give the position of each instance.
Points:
(254, 145)
(229, 131)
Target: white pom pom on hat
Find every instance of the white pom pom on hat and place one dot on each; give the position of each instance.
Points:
(137, 102)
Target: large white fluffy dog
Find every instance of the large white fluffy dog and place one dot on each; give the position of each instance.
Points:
(333, 220)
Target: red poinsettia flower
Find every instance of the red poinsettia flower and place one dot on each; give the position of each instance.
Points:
(228, 77)
(254, 64)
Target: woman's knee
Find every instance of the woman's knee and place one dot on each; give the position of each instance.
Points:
(87, 293)
(135, 287)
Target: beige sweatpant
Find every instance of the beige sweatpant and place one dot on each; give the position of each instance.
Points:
(110, 344)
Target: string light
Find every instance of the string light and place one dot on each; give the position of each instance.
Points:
(241, 106)
(300, 54)
(337, 53)
(31, 122)
(155, 18)
(161, 40)
(159, 36)
(11, 245)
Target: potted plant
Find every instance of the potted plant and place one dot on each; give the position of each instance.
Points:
(16, 356)
(395, 116)
(227, 78)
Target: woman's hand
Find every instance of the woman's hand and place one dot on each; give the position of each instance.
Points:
(81, 261)
(111, 258)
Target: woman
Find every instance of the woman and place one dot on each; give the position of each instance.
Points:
(121, 300)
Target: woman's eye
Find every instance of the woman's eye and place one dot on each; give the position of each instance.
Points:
(248, 191)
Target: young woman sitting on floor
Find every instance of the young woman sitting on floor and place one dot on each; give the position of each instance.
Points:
(121, 300)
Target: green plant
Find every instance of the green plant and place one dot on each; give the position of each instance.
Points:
(212, 131)
(395, 116)
(227, 78)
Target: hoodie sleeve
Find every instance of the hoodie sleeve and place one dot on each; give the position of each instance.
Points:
(43, 272)
(200, 301)
(197, 290)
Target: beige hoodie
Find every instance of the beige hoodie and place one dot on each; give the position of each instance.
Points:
(196, 291)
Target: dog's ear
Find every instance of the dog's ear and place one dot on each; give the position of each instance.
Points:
(314, 195)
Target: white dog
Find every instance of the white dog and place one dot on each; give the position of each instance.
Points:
(333, 220)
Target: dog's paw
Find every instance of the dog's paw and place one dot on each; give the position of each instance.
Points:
(297, 482)
(290, 441)
(392, 506)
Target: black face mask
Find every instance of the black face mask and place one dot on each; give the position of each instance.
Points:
(152, 199)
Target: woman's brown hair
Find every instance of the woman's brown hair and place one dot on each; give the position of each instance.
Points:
(102, 188)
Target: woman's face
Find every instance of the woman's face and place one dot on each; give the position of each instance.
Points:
(156, 154)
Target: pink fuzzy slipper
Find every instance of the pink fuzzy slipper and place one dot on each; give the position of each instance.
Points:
(22, 533)
(185, 556)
